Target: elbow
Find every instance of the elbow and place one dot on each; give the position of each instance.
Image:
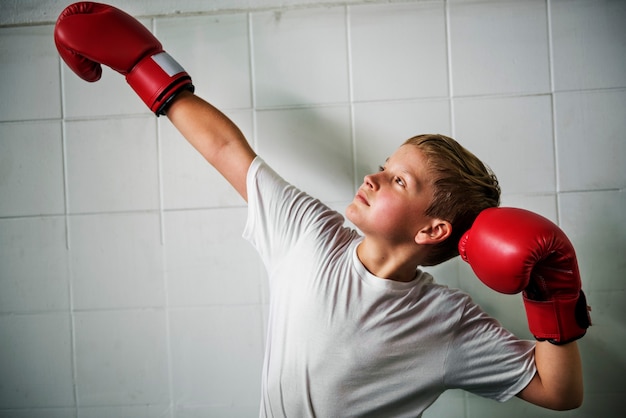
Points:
(567, 403)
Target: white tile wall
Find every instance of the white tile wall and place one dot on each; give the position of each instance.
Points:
(121, 358)
(215, 50)
(126, 289)
(513, 136)
(300, 56)
(31, 86)
(216, 361)
(499, 47)
(31, 169)
(198, 276)
(112, 165)
(312, 147)
(36, 361)
(590, 128)
(398, 51)
(116, 261)
(33, 260)
(589, 44)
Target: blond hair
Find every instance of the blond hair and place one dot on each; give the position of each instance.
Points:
(463, 186)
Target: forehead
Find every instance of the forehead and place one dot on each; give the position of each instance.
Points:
(410, 157)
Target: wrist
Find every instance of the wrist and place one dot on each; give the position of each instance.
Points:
(558, 321)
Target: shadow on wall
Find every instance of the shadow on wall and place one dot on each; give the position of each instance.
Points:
(310, 146)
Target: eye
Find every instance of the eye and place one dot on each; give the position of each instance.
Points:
(399, 181)
(381, 168)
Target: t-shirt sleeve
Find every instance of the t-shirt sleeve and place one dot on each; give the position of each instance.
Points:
(279, 214)
(486, 359)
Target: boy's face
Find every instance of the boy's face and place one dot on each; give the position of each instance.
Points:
(391, 203)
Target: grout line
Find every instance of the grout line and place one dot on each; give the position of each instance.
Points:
(555, 148)
(355, 171)
(66, 200)
(164, 276)
(159, 151)
(251, 68)
(449, 63)
(68, 262)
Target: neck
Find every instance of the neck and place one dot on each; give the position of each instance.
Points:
(396, 263)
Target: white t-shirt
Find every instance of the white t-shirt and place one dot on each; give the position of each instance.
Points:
(344, 343)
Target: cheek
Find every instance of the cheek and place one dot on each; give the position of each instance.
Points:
(393, 214)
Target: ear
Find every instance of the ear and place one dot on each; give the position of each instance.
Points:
(435, 232)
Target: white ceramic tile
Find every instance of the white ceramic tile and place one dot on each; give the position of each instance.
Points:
(602, 356)
(112, 165)
(544, 205)
(134, 411)
(30, 84)
(31, 169)
(35, 361)
(300, 56)
(514, 137)
(591, 148)
(188, 180)
(499, 47)
(38, 413)
(589, 43)
(237, 409)
(116, 261)
(33, 265)
(121, 358)
(216, 360)
(398, 51)
(111, 95)
(214, 51)
(381, 127)
(595, 222)
(208, 262)
(310, 148)
(608, 312)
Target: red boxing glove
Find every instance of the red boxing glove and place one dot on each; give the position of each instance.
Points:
(88, 34)
(513, 250)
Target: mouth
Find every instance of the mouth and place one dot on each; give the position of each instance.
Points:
(360, 196)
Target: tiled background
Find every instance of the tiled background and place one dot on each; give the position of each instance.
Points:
(126, 289)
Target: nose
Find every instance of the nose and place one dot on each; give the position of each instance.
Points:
(370, 181)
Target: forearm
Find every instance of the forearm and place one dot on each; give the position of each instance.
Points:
(558, 383)
(214, 136)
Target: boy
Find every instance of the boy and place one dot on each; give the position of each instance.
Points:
(355, 329)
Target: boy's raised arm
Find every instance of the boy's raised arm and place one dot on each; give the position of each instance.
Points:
(513, 250)
(210, 132)
(89, 34)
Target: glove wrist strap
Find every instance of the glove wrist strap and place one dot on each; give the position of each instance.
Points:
(157, 79)
(558, 321)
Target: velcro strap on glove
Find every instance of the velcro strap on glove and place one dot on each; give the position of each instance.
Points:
(558, 321)
(157, 79)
